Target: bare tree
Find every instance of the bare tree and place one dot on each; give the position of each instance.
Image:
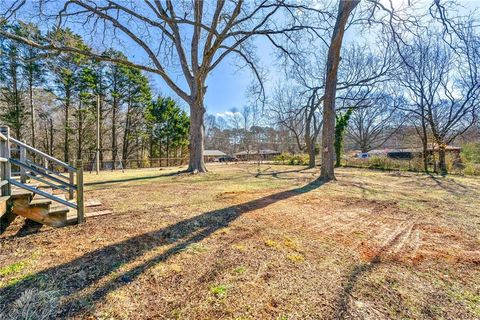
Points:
(443, 85)
(191, 36)
(345, 7)
(375, 120)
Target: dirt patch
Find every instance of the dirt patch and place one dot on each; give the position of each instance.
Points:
(236, 244)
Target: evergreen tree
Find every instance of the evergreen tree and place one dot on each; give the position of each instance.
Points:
(168, 126)
(138, 97)
(12, 86)
(33, 69)
(65, 69)
(117, 80)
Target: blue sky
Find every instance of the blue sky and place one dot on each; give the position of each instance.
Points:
(227, 84)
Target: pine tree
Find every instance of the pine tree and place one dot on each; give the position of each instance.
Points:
(65, 70)
(168, 126)
(117, 80)
(138, 98)
(33, 69)
(12, 86)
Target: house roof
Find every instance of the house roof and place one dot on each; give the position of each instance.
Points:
(214, 153)
(265, 151)
(387, 150)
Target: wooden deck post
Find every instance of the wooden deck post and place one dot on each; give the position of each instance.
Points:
(23, 159)
(6, 170)
(80, 199)
(71, 176)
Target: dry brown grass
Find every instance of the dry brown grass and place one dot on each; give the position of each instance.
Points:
(268, 242)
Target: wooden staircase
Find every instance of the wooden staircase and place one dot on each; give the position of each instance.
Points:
(38, 208)
(49, 196)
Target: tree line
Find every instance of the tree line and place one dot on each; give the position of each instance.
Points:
(53, 101)
(413, 51)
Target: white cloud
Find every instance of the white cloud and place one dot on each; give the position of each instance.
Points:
(227, 114)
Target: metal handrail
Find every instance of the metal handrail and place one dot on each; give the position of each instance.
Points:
(48, 183)
(43, 193)
(2, 137)
(44, 174)
(42, 168)
(40, 153)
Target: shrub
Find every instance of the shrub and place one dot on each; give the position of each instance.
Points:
(286, 158)
(472, 169)
(471, 152)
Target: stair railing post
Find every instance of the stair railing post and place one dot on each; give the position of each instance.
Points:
(23, 159)
(71, 176)
(5, 166)
(80, 202)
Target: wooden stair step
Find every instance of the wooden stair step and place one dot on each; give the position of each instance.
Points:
(41, 213)
(58, 210)
(72, 215)
(97, 213)
(20, 193)
(40, 201)
(3, 205)
(92, 203)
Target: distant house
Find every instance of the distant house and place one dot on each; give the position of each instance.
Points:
(448, 149)
(256, 155)
(407, 154)
(213, 155)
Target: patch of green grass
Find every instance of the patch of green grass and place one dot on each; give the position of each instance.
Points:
(295, 257)
(271, 243)
(471, 299)
(290, 243)
(13, 268)
(195, 248)
(219, 291)
(26, 277)
(240, 270)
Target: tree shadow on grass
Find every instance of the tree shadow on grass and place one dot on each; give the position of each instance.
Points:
(359, 271)
(168, 174)
(446, 184)
(275, 174)
(71, 278)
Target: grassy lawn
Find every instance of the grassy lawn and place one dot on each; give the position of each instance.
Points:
(256, 242)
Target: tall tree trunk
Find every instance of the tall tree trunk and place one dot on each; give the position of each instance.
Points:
(16, 100)
(51, 135)
(345, 7)
(197, 132)
(168, 152)
(442, 163)
(126, 134)
(425, 145)
(101, 131)
(46, 143)
(114, 129)
(66, 145)
(80, 132)
(32, 110)
(310, 145)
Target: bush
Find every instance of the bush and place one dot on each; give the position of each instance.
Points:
(470, 156)
(286, 158)
(471, 152)
(386, 163)
(472, 169)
